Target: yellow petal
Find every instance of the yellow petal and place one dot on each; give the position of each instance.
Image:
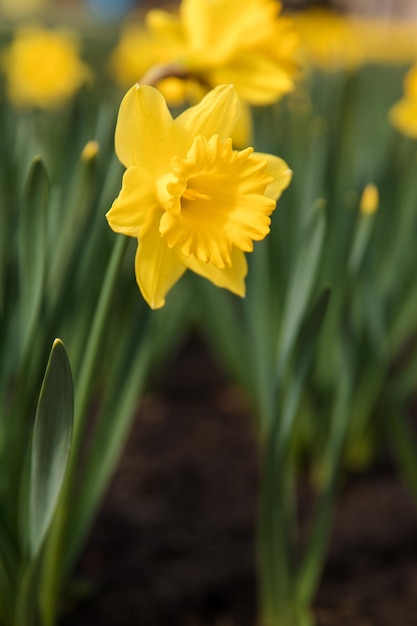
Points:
(403, 116)
(280, 172)
(134, 54)
(243, 132)
(134, 209)
(208, 26)
(217, 29)
(216, 114)
(166, 28)
(410, 83)
(231, 278)
(143, 130)
(258, 79)
(157, 268)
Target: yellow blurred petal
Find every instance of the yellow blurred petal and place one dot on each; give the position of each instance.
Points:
(143, 130)
(134, 209)
(216, 114)
(167, 30)
(134, 54)
(231, 278)
(279, 170)
(256, 78)
(157, 268)
(218, 30)
(403, 116)
(242, 135)
(212, 29)
(410, 83)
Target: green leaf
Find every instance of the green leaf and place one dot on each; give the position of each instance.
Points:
(50, 444)
(360, 241)
(32, 249)
(301, 280)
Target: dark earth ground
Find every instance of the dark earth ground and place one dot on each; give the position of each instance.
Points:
(173, 543)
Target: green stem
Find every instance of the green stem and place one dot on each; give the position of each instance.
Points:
(274, 527)
(85, 377)
(314, 557)
(53, 572)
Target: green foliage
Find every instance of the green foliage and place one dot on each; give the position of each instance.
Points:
(323, 344)
(64, 274)
(320, 392)
(50, 445)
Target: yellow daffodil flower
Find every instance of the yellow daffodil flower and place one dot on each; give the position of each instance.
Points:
(332, 41)
(403, 115)
(191, 200)
(43, 67)
(246, 43)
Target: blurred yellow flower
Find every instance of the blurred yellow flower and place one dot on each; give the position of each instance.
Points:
(246, 43)
(328, 40)
(43, 67)
(332, 41)
(134, 54)
(403, 115)
(191, 200)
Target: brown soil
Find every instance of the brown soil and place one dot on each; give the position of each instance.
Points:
(173, 544)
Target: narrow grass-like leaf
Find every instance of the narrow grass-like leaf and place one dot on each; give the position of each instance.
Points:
(302, 280)
(50, 444)
(32, 249)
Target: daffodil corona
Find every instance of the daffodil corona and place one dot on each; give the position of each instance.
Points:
(191, 200)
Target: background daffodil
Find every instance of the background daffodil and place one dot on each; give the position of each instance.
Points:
(192, 201)
(403, 115)
(248, 44)
(43, 67)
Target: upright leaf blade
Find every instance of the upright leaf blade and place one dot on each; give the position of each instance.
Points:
(301, 280)
(32, 249)
(50, 444)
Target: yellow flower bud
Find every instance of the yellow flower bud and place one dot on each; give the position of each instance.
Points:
(369, 200)
(90, 150)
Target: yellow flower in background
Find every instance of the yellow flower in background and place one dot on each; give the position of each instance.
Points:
(43, 67)
(134, 54)
(327, 39)
(246, 43)
(403, 115)
(332, 41)
(191, 200)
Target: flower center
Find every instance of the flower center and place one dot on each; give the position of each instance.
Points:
(214, 201)
(194, 194)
